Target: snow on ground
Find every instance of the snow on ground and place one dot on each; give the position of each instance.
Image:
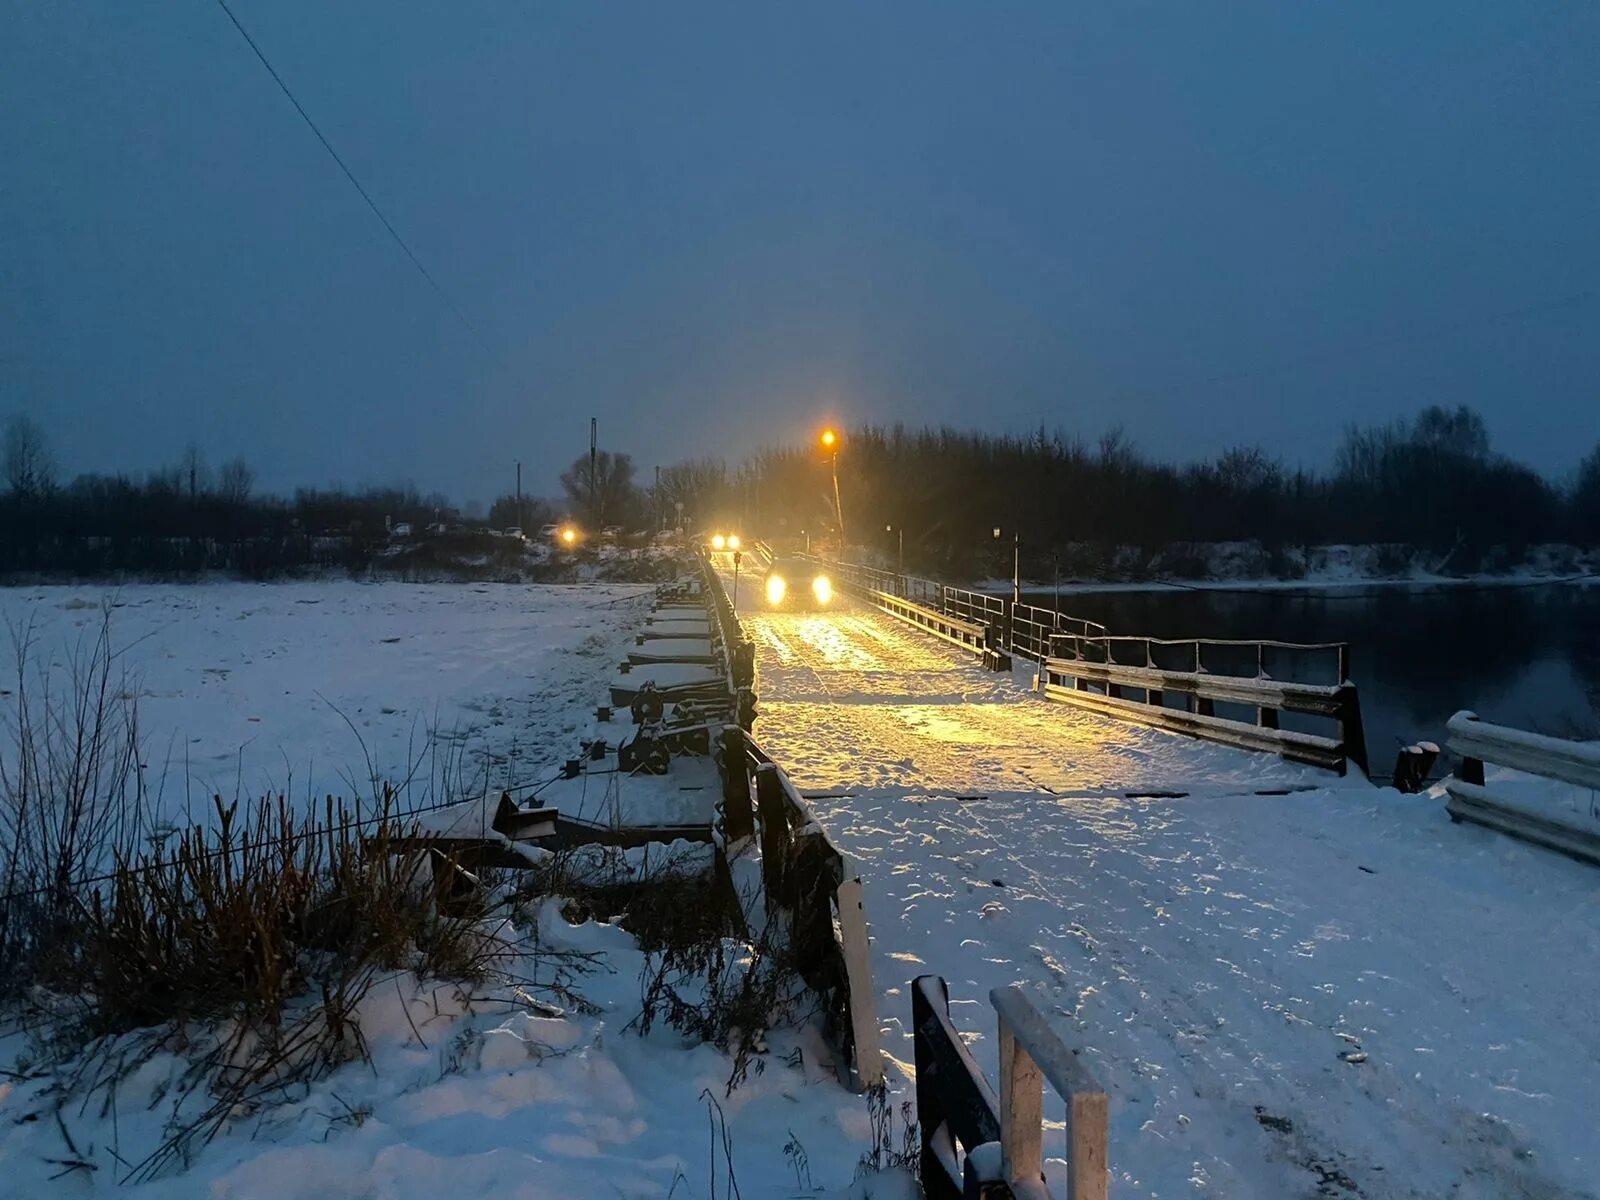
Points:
(463, 1097)
(260, 688)
(1231, 566)
(1331, 993)
(473, 1098)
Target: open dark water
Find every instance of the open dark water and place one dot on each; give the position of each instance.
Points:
(1527, 656)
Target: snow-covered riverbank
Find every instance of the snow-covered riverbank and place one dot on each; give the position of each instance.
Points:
(311, 688)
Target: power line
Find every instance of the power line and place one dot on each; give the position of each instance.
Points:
(350, 175)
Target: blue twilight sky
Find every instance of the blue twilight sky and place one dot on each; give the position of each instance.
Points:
(708, 225)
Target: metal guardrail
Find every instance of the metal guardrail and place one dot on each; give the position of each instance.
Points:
(957, 1108)
(977, 606)
(1478, 742)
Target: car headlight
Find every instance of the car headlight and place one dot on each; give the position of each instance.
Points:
(733, 541)
(822, 589)
(719, 542)
(776, 587)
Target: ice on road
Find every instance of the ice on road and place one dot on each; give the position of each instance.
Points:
(1333, 992)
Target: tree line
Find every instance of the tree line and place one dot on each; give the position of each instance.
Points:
(1431, 482)
(189, 517)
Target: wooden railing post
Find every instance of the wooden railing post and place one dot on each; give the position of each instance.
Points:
(1352, 733)
(1035, 1050)
(737, 816)
(1021, 1110)
(858, 976)
(774, 829)
(1203, 706)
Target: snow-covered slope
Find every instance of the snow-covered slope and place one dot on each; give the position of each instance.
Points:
(255, 689)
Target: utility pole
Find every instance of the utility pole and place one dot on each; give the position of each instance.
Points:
(594, 442)
(520, 524)
(830, 443)
(660, 521)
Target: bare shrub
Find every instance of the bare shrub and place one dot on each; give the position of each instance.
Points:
(72, 794)
(890, 1151)
(249, 945)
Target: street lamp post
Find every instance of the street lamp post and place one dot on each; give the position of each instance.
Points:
(901, 531)
(830, 443)
(1016, 564)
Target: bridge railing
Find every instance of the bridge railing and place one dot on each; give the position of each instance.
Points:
(1576, 763)
(1031, 628)
(805, 877)
(735, 653)
(974, 1145)
(1132, 678)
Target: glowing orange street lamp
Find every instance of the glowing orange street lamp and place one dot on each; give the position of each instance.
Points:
(569, 535)
(830, 443)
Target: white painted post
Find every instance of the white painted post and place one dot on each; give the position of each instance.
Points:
(858, 974)
(1021, 1110)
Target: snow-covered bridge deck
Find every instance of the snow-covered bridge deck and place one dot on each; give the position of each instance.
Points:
(1331, 992)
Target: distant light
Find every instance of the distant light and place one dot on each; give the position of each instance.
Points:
(822, 589)
(569, 535)
(776, 587)
(829, 438)
(997, 531)
(719, 542)
(733, 541)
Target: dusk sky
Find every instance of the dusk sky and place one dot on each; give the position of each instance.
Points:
(712, 226)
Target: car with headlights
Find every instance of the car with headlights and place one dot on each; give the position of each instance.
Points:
(725, 541)
(795, 584)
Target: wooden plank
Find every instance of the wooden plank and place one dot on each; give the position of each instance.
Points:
(1088, 1147)
(1309, 698)
(1088, 1112)
(1060, 1066)
(949, 1083)
(966, 636)
(477, 851)
(858, 972)
(1299, 747)
(1021, 1110)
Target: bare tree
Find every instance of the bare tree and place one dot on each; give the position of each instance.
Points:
(234, 480)
(192, 467)
(30, 468)
(615, 499)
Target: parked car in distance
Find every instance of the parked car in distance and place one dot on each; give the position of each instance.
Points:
(401, 530)
(550, 531)
(514, 531)
(611, 533)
